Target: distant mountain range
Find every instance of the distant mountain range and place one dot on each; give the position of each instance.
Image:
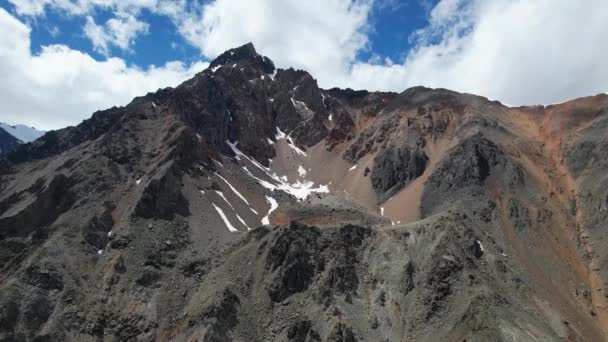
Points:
(11, 136)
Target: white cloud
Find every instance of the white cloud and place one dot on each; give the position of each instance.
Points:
(321, 36)
(60, 86)
(520, 52)
(119, 32)
(86, 7)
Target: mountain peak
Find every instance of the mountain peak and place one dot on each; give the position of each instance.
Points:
(22, 132)
(244, 54)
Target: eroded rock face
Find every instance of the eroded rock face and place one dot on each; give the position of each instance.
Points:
(341, 333)
(470, 163)
(465, 168)
(298, 257)
(220, 318)
(396, 166)
(56, 198)
(295, 260)
(343, 258)
(372, 138)
(163, 198)
(96, 231)
(302, 331)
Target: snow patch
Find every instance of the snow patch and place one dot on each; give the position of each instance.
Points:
(382, 211)
(233, 189)
(270, 142)
(295, 148)
(240, 153)
(243, 222)
(100, 251)
(480, 246)
(331, 117)
(301, 171)
(273, 206)
(153, 104)
(274, 73)
(299, 104)
(214, 69)
(226, 222)
(202, 191)
(280, 134)
(224, 197)
(262, 182)
(138, 181)
(110, 233)
(300, 190)
(352, 168)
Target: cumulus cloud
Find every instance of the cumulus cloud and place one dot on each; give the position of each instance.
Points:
(321, 36)
(60, 86)
(119, 32)
(519, 52)
(86, 7)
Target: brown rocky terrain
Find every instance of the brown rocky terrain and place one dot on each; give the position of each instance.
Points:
(248, 204)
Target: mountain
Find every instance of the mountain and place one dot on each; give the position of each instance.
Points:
(11, 136)
(248, 204)
(24, 133)
(7, 142)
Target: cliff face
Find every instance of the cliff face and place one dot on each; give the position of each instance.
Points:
(248, 204)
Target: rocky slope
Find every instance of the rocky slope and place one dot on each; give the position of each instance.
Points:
(248, 204)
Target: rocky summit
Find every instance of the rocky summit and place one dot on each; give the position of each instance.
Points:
(248, 204)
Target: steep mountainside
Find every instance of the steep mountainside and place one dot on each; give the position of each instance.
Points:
(248, 204)
(7, 142)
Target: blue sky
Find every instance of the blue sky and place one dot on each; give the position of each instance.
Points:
(61, 60)
(391, 24)
(161, 44)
